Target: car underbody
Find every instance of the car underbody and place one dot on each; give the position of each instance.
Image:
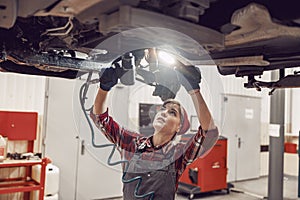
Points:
(69, 38)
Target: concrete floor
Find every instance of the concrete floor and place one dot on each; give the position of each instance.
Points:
(248, 190)
(251, 190)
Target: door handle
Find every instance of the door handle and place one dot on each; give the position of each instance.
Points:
(239, 142)
(82, 147)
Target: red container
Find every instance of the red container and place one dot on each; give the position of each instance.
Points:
(18, 125)
(208, 173)
(290, 147)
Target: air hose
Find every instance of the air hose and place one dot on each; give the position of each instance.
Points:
(82, 98)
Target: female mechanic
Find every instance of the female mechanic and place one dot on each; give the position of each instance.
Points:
(161, 158)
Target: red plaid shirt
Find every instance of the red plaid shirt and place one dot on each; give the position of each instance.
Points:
(186, 151)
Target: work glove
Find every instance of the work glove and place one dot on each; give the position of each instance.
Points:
(108, 78)
(189, 77)
(167, 84)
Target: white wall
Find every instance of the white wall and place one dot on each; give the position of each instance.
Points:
(22, 92)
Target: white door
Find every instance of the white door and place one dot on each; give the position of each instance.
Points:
(83, 173)
(241, 115)
(96, 179)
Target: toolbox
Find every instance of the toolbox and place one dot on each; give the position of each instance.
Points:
(208, 173)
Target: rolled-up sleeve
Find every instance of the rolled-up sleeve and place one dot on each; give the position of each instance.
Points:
(112, 130)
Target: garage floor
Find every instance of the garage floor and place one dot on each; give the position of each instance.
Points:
(249, 190)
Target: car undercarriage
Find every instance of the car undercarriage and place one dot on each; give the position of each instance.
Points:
(70, 38)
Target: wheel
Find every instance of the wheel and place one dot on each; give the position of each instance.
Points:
(191, 196)
(227, 190)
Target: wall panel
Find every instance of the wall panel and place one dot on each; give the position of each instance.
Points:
(22, 92)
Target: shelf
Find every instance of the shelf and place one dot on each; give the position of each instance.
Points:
(25, 183)
(21, 126)
(19, 186)
(20, 163)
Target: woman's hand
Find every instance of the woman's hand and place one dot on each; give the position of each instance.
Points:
(108, 78)
(189, 77)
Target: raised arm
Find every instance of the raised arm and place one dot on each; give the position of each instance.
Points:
(110, 128)
(99, 104)
(190, 78)
(108, 79)
(203, 113)
(203, 141)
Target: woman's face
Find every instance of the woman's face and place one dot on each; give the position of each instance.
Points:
(167, 119)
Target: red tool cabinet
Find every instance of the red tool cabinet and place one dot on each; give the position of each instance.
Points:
(21, 126)
(208, 173)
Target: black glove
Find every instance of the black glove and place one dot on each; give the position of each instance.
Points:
(108, 78)
(167, 84)
(189, 77)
